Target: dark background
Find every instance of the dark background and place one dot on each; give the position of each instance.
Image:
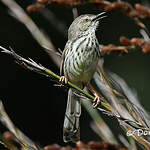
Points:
(32, 101)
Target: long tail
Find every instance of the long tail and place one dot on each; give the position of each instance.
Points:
(71, 131)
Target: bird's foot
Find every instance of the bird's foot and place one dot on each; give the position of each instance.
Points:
(98, 97)
(63, 80)
(96, 101)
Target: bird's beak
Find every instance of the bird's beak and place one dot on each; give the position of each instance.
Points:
(99, 17)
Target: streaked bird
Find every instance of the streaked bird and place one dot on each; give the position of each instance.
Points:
(79, 62)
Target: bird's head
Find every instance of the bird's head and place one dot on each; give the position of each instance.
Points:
(84, 25)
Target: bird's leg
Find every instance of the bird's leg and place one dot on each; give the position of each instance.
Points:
(63, 80)
(98, 96)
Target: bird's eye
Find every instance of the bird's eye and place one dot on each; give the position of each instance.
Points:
(86, 20)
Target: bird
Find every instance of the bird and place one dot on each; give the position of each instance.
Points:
(79, 63)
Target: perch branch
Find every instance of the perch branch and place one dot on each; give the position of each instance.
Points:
(38, 68)
(33, 66)
(109, 110)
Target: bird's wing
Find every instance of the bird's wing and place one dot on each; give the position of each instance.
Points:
(62, 63)
(63, 58)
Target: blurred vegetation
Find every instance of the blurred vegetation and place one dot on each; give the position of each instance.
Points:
(28, 96)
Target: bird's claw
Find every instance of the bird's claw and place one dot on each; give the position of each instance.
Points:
(63, 80)
(96, 101)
